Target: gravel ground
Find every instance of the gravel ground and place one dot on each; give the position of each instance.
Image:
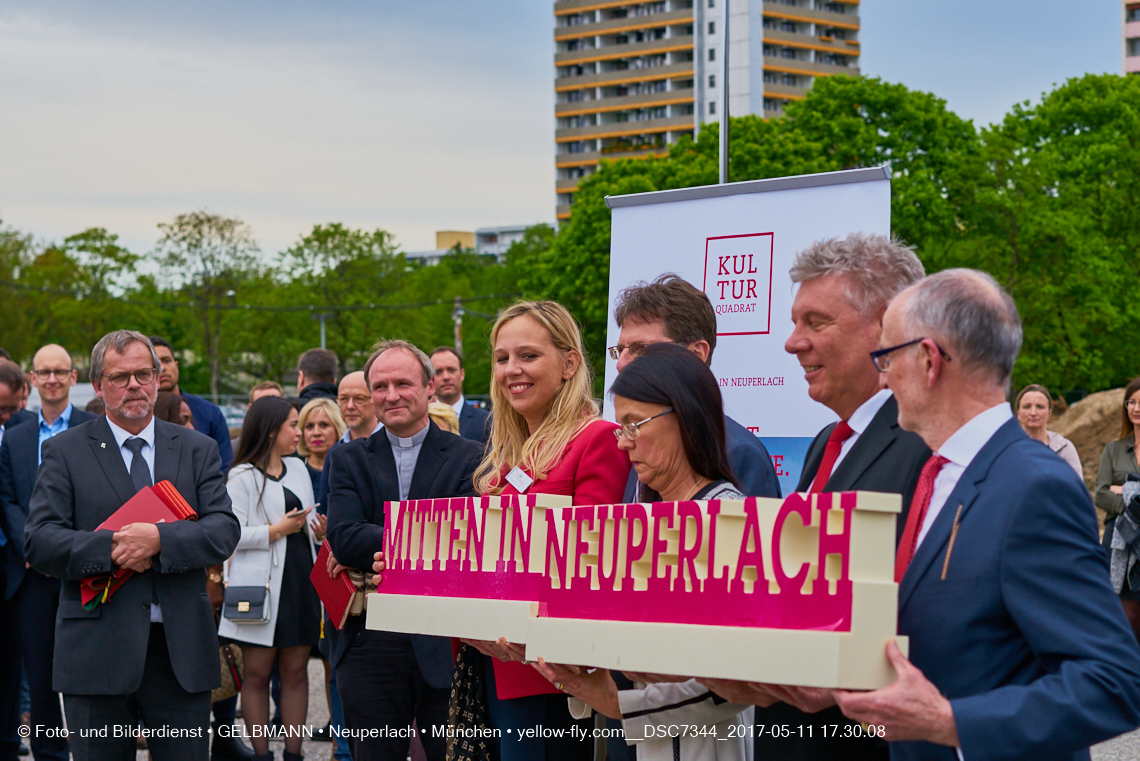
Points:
(1123, 748)
(318, 717)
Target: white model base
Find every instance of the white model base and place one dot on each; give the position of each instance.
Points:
(450, 616)
(775, 656)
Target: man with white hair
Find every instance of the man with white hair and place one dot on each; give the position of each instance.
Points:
(1018, 645)
(845, 285)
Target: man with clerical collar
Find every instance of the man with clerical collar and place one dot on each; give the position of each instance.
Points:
(388, 679)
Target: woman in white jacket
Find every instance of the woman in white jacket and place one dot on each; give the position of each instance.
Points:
(272, 496)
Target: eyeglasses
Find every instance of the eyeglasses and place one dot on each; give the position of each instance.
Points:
(882, 361)
(122, 380)
(45, 374)
(359, 401)
(1132, 403)
(632, 430)
(635, 350)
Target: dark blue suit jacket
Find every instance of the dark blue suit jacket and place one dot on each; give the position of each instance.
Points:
(1015, 620)
(362, 477)
(750, 461)
(19, 461)
(208, 419)
(474, 423)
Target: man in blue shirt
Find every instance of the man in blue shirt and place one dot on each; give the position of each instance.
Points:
(30, 596)
(208, 417)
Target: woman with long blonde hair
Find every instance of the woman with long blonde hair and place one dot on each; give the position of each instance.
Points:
(547, 435)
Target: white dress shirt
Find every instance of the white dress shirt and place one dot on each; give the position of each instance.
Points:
(458, 406)
(859, 421)
(961, 449)
(147, 435)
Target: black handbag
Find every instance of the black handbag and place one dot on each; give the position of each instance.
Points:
(249, 604)
(246, 605)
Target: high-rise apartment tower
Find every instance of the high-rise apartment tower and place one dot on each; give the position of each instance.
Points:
(632, 77)
(1131, 37)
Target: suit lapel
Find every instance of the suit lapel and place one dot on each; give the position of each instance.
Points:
(961, 499)
(110, 459)
(167, 448)
(876, 437)
(383, 465)
(814, 457)
(432, 456)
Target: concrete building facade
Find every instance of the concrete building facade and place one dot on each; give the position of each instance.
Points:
(1131, 37)
(486, 241)
(633, 77)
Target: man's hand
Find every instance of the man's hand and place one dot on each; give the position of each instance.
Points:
(134, 545)
(596, 689)
(334, 568)
(743, 693)
(379, 566)
(807, 699)
(647, 678)
(911, 707)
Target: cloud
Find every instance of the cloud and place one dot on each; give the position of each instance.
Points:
(373, 120)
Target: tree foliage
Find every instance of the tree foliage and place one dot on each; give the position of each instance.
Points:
(1046, 201)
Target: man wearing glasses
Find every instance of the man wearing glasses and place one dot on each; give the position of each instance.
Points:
(671, 310)
(207, 416)
(35, 596)
(148, 653)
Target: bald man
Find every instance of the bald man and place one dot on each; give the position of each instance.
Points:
(33, 596)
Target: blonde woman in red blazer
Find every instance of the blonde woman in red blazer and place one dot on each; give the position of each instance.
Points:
(546, 425)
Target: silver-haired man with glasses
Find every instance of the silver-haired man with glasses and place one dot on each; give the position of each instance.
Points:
(148, 653)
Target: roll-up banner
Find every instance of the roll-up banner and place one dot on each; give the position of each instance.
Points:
(736, 242)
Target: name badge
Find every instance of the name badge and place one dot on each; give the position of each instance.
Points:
(520, 480)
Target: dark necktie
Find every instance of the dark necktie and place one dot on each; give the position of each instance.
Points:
(919, 504)
(140, 473)
(839, 434)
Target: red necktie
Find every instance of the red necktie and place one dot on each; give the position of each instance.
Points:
(839, 434)
(923, 491)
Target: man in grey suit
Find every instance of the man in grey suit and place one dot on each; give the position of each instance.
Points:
(149, 652)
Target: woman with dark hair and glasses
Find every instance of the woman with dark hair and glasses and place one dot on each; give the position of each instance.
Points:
(668, 404)
(272, 496)
(672, 427)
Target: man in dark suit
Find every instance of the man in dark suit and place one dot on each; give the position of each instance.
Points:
(474, 423)
(844, 288)
(671, 310)
(12, 415)
(34, 595)
(1019, 647)
(387, 679)
(150, 651)
(12, 412)
(208, 417)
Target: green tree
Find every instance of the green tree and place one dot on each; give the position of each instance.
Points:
(210, 256)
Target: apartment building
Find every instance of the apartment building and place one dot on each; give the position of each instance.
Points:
(633, 77)
(1131, 37)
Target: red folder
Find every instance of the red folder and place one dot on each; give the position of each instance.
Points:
(160, 503)
(336, 594)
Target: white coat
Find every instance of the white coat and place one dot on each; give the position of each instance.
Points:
(254, 554)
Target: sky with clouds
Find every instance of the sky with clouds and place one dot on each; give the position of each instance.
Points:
(413, 117)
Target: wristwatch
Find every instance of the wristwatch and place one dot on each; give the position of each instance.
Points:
(214, 577)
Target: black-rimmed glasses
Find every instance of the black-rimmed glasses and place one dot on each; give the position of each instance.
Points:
(122, 380)
(632, 430)
(882, 361)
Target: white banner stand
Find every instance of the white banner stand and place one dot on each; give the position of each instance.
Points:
(736, 242)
